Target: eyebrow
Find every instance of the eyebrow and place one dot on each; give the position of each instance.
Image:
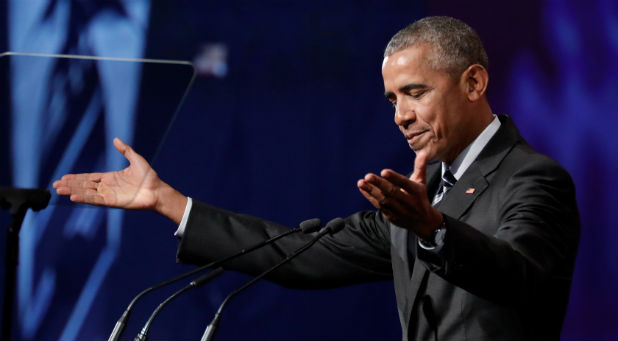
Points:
(405, 88)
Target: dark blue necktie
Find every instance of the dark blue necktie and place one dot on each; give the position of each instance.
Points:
(448, 181)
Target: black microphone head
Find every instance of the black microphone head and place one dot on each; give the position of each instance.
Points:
(335, 225)
(39, 199)
(36, 199)
(311, 225)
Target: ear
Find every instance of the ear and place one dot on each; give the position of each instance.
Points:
(475, 80)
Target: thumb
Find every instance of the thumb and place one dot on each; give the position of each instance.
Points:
(420, 169)
(125, 149)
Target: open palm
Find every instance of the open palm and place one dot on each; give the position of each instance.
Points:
(134, 187)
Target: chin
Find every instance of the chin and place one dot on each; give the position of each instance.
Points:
(431, 155)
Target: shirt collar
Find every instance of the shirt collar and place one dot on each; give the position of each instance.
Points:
(468, 155)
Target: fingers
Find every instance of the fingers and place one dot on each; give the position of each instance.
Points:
(89, 196)
(80, 189)
(420, 169)
(379, 187)
(74, 178)
(380, 192)
(402, 200)
(371, 191)
(394, 205)
(363, 187)
(85, 180)
(71, 184)
(396, 196)
(399, 180)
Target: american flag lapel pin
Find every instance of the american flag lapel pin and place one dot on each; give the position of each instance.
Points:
(470, 190)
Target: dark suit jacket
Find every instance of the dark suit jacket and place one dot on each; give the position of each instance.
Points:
(504, 272)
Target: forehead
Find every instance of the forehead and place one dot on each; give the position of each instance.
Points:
(414, 56)
(412, 64)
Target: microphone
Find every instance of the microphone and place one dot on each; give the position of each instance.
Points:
(306, 226)
(332, 227)
(16, 198)
(143, 334)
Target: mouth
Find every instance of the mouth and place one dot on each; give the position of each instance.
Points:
(413, 137)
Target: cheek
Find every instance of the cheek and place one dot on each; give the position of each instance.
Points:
(430, 119)
(425, 117)
(442, 130)
(429, 114)
(440, 122)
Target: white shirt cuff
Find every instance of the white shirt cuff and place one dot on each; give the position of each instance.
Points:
(183, 222)
(438, 242)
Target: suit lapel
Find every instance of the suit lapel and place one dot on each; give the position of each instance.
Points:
(474, 181)
(459, 199)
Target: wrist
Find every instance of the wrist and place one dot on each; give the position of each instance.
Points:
(435, 224)
(436, 237)
(170, 203)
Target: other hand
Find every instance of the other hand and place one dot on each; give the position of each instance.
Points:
(401, 200)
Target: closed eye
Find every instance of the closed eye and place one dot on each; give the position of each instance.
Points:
(417, 94)
(415, 90)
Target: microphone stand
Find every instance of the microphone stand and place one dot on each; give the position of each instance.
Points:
(18, 200)
(306, 226)
(332, 227)
(143, 334)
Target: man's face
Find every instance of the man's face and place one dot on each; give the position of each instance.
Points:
(428, 103)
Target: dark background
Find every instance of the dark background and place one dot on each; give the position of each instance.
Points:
(299, 117)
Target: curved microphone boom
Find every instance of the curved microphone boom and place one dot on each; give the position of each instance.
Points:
(306, 226)
(143, 334)
(332, 227)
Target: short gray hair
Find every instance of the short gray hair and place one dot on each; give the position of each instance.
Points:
(456, 45)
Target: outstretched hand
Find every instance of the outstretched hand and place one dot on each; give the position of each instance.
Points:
(134, 187)
(402, 200)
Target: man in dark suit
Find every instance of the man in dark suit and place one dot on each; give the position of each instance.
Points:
(480, 245)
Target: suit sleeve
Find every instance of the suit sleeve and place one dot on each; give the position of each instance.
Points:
(358, 253)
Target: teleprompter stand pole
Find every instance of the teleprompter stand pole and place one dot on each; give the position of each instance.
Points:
(18, 201)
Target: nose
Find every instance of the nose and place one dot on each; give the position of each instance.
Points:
(404, 114)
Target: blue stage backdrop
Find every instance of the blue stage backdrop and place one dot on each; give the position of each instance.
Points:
(286, 113)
